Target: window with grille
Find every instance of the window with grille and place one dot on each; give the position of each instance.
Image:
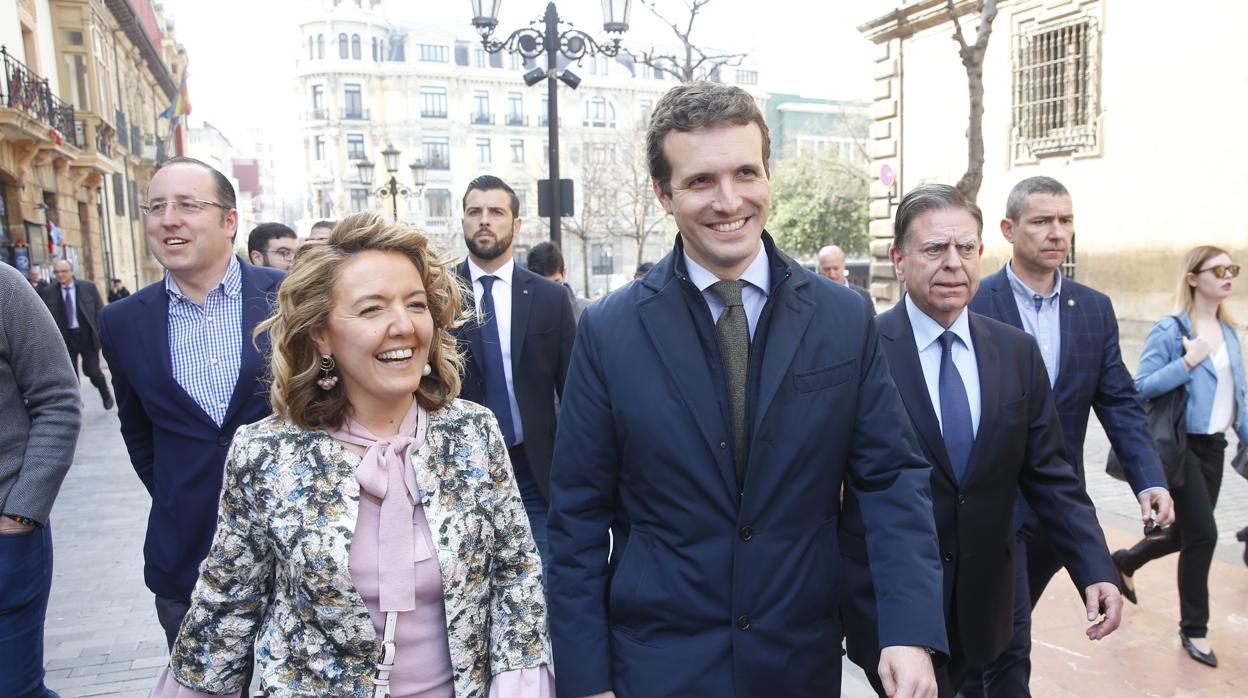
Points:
(359, 200)
(437, 153)
(355, 147)
(433, 102)
(603, 259)
(1056, 88)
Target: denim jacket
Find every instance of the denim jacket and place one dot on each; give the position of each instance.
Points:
(1162, 370)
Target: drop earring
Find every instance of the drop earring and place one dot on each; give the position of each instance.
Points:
(428, 369)
(327, 381)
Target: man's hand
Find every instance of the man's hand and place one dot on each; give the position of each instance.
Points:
(907, 672)
(1157, 500)
(9, 527)
(1103, 598)
(1195, 350)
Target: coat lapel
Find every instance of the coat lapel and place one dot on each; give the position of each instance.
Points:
(470, 333)
(1003, 302)
(1066, 309)
(897, 340)
(792, 314)
(521, 305)
(157, 346)
(989, 392)
(671, 328)
(256, 307)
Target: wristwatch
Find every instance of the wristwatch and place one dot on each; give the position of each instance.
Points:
(23, 520)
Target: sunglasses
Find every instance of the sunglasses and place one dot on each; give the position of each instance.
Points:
(1222, 271)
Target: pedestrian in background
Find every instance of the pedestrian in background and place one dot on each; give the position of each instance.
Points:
(187, 369)
(272, 245)
(546, 260)
(75, 305)
(40, 415)
(370, 477)
(36, 280)
(118, 291)
(1197, 349)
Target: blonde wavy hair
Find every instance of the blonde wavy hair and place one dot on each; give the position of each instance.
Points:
(1192, 263)
(303, 304)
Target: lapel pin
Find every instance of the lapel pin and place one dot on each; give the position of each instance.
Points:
(526, 291)
(1070, 302)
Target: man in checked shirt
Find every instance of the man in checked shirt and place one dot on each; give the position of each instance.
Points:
(185, 370)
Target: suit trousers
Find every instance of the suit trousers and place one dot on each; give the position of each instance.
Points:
(534, 503)
(25, 582)
(1194, 534)
(79, 342)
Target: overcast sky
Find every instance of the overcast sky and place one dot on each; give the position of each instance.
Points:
(243, 52)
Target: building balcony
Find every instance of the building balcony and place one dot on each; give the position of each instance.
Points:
(517, 120)
(355, 115)
(318, 115)
(482, 118)
(26, 96)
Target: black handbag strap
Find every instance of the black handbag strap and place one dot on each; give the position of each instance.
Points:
(1182, 328)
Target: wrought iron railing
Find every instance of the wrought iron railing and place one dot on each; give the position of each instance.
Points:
(27, 92)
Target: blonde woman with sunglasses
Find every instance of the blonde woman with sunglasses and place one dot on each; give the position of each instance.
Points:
(1198, 349)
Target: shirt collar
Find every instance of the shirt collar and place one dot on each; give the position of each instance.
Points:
(926, 330)
(758, 274)
(503, 273)
(231, 284)
(1025, 291)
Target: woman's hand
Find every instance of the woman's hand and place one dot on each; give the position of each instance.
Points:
(1197, 350)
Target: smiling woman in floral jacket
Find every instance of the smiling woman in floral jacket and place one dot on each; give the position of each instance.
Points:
(371, 539)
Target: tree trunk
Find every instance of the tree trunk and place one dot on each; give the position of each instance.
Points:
(974, 176)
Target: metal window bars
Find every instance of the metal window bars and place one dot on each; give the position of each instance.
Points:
(1056, 90)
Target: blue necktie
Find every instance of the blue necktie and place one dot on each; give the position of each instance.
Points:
(71, 311)
(495, 379)
(955, 410)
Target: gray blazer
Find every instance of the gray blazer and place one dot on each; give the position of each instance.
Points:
(40, 405)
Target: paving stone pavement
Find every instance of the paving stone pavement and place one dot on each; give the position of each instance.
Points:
(103, 639)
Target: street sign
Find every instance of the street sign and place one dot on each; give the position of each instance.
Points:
(565, 197)
(886, 176)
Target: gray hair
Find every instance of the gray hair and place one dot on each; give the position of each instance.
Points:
(931, 197)
(697, 105)
(1016, 202)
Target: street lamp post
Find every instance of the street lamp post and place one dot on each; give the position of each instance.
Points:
(393, 188)
(543, 36)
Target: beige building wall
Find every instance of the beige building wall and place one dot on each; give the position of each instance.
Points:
(1165, 173)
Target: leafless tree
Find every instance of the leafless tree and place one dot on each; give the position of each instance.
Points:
(691, 61)
(595, 186)
(637, 212)
(972, 56)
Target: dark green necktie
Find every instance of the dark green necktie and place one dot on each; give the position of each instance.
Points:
(733, 333)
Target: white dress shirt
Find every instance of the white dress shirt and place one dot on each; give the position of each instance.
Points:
(927, 340)
(757, 278)
(502, 306)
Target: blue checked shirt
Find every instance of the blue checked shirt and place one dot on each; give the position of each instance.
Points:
(205, 342)
(1041, 318)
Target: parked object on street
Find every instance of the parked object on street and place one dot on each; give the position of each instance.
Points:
(370, 477)
(40, 415)
(1197, 348)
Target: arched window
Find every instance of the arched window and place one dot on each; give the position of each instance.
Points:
(320, 45)
(343, 50)
(311, 48)
(355, 46)
(376, 54)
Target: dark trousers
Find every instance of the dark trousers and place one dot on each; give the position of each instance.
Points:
(1194, 534)
(1035, 563)
(170, 612)
(25, 582)
(534, 503)
(81, 343)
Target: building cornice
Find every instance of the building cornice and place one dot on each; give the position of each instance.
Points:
(912, 18)
(129, 21)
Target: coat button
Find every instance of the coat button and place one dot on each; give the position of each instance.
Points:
(948, 557)
(743, 622)
(223, 440)
(723, 444)
(961, 499)
(747, 533)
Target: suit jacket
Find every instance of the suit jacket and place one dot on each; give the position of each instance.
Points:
(1090, 376)
(87, 303)
(542, 330)
(715, 588)
(271, 574)
(177, 450)
(1018, 444)
(866, 295)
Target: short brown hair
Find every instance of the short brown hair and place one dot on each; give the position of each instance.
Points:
(697, 105)
(303, 304)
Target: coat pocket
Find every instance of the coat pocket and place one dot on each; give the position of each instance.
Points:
(822, 378)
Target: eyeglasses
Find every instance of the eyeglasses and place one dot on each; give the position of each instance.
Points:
(187, 207)
(282, 252)
(1222, 271)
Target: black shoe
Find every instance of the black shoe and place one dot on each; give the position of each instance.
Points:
(1209, 659)
(108, 402)
(1127, 592)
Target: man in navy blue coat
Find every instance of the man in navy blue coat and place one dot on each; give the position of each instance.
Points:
(977, 394)
(1077, 332)
(722, 495)
(186, 371)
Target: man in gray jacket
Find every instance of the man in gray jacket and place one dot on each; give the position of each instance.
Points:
(40, 415)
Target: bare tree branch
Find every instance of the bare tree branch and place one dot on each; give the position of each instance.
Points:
(973, 60)
(695, 59)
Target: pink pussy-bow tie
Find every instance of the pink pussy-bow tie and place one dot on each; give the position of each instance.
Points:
(386, 472)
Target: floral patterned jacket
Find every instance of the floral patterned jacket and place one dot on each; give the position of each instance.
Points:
(278, 563)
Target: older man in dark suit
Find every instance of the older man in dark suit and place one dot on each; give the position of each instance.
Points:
(714, 410)
(976, 392)
(1077, 332)
(518, 348)
(75, 305)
